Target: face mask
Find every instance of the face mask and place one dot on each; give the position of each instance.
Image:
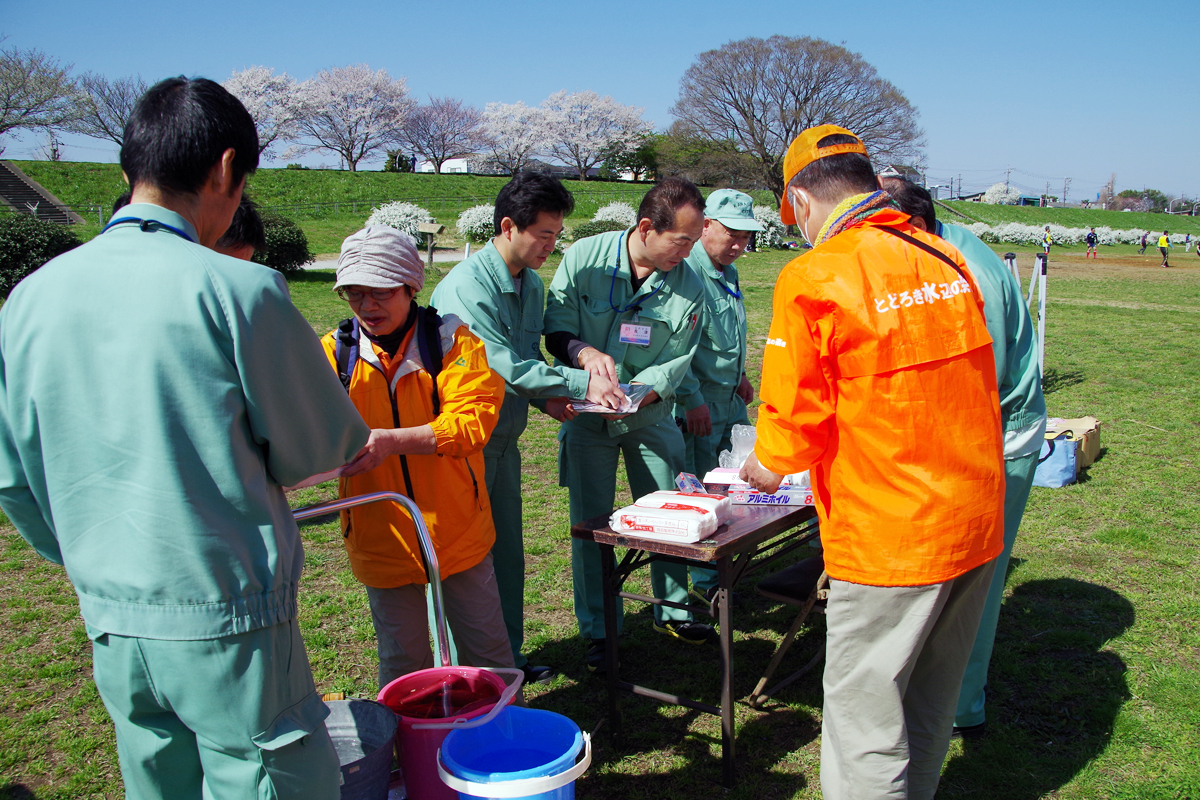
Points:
(796, 213)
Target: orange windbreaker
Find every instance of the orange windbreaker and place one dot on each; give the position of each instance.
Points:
(448, 486)
(878, 376)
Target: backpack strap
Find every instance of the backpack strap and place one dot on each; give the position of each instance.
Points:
(933, 251)
(346, 352)
(429, 344)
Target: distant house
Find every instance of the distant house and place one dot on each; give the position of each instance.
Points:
(450, 165)
(977, 197)
(900, 171)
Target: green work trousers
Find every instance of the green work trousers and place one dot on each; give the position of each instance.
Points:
(234, 717)
(701, 454)
(1018, 479)
(588, 468)
(502, 474)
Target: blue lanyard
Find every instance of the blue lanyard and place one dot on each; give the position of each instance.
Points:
(737, 285)
(635, 303)
(145, 224)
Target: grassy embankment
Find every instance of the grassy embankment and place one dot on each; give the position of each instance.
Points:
(1095, 684)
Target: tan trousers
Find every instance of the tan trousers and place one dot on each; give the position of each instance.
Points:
(894, 664)
(472, 605)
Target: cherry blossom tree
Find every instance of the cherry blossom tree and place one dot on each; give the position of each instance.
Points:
(583, 128)
(36, 92)
(273, 102)
(351, 111)
(105, 106)
(514, 134)
(443, 129)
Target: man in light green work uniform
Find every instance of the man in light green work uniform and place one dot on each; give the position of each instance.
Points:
(500, 296)
(1022, 413)
(716, 392)
(147, 457)
(624, 306)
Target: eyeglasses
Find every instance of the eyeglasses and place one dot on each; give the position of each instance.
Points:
(355, 296)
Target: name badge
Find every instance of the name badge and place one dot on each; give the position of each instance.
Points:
(635, 334)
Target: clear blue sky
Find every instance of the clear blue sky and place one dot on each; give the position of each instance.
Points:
(1052, 89)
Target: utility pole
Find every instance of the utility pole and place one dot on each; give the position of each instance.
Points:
(1006, 179)
(1066, 186)
(1046, 202)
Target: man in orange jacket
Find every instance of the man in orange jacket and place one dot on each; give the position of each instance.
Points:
(428, 445)
(878, 377)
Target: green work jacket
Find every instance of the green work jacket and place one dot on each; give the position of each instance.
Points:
(592, 295)
(1014, 346)
(480, 291)
(721, 358)
(154, 398)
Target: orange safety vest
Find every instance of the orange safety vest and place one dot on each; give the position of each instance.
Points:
(448, 485)
(878, 376)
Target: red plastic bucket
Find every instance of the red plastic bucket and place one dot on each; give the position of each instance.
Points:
(441, 696)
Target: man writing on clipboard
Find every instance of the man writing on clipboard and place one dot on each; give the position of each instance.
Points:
(624, 306)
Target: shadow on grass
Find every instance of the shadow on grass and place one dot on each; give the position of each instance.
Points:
(16, 791)
(1055, 379)
(668, 751)
(1053, 691)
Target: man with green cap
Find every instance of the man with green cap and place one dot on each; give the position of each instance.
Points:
(500, 296)
(716, 392)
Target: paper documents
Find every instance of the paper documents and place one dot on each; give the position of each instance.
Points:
(634, 394)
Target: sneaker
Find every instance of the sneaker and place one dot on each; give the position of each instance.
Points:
(706, 598)
(538, 674)
(596, 657)
(690, 632)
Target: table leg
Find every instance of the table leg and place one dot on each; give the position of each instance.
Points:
(607, 571)
(724, 592)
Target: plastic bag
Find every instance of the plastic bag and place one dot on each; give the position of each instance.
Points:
(741, 440)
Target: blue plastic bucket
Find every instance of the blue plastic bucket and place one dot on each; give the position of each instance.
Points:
(522, 753)
(362, 733)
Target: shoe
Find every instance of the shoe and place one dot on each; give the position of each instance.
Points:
(596, 657)
(538, 674)
(707, 597)
(969, 733)
(690, 632)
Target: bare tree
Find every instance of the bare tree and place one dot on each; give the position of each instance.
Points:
(273, 102)
(351, 111)
(583, 128)
(515, 133)
(761, 93)
(444, 129)
(105, 105)
(35, 91)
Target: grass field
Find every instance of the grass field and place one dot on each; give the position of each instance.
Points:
(1094, 688)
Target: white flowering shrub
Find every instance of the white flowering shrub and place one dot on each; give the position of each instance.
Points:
(1001, 194)
(617, 212)
(1016, 233)
(771, 236)
(404, 217)
(478, 223)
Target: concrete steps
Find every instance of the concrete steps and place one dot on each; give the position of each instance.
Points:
(21, 193)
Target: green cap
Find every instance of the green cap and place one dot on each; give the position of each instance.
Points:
(733, 209)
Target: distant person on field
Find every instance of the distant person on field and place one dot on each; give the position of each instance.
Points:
(1046, 242)
(1164, 243)
(1092, 239)
(149, 456)
(1187, 242)
(425, 380)
(1145, 243)
(1022, 416)
(244, 235)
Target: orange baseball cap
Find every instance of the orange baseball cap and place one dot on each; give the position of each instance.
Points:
(803, 151)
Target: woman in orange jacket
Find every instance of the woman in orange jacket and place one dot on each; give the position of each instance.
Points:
(428, 443)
